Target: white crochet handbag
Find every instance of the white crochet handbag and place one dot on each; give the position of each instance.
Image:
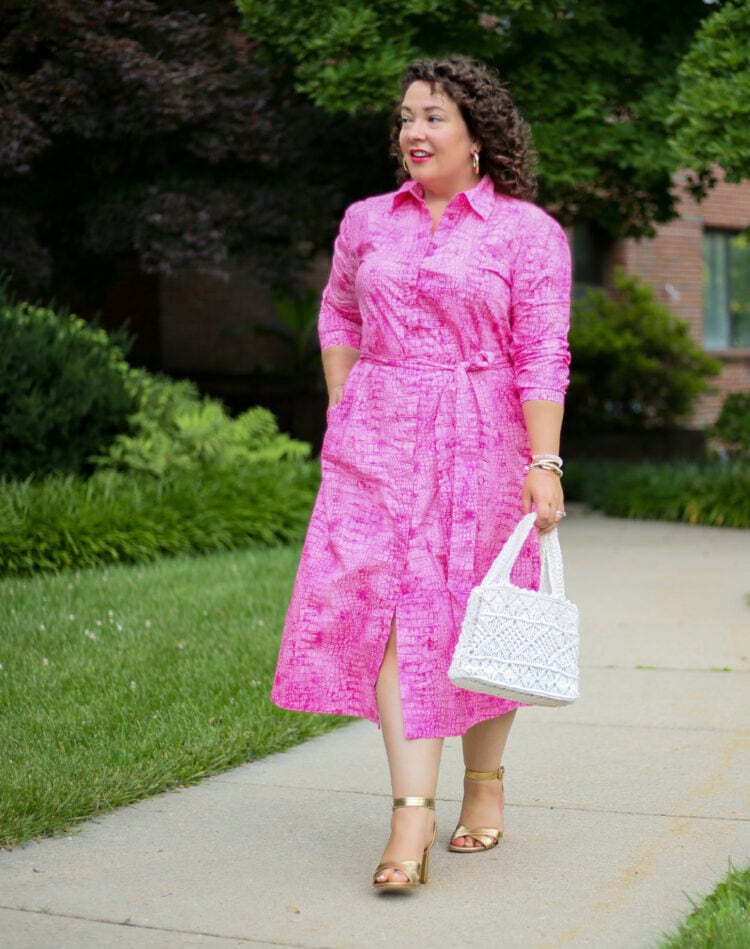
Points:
(520, 644)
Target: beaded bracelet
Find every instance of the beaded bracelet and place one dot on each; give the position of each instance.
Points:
(543, 457)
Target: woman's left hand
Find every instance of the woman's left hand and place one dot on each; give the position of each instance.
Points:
(542, 492)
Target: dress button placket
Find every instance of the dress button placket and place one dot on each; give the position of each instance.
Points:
(423, 251)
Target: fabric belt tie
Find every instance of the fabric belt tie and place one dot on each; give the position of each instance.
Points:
(466, 460)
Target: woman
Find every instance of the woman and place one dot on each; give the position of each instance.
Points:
(444, 336)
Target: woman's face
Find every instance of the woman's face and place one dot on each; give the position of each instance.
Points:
(435, 141)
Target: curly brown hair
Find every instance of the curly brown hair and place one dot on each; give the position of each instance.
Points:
(489, 113)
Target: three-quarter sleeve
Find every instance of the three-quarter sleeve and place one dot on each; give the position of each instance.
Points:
(340, 321)
(540, 310)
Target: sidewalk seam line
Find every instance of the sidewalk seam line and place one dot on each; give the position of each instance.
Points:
(49, 914)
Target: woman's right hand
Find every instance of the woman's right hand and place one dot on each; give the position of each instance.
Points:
(542, 492)
(335, 395)
(338, 362)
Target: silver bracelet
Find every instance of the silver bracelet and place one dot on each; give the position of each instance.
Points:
(545, 466)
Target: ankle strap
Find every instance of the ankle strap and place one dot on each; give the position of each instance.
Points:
(485, 775)
(414, 802)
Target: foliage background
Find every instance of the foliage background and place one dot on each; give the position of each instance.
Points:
(186, 140)
(177, 145)
(594, 79)
(709, 118)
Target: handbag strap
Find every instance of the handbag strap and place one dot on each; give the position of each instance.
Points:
(552, 580)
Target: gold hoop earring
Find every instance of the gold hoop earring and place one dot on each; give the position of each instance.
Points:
(404, 165)
(475, 162)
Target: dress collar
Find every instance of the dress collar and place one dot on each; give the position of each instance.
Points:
(480, 198)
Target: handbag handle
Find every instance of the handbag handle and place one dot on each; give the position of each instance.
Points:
(552, 580)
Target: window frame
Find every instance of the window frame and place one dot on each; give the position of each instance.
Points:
(723, 293)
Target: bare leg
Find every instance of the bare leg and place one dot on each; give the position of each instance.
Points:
(483, 747)
(413, 763)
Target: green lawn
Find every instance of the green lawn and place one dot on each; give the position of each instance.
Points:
(123, 682)
(720, 921)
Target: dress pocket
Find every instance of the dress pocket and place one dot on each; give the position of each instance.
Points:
(333, 410)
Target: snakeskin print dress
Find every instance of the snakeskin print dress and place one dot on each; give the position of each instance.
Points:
(423, 459)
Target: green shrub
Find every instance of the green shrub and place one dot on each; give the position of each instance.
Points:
(64, 522)
(732, 427)
(175, 428)
(716, 494)
(63, 389)
(634, 365)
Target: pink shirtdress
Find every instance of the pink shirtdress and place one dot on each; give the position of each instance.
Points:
(423, 459)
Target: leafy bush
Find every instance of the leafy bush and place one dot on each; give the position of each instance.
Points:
(63, 387)
(175, 428)
(732, 427)
(634, 364)
(67, 522)
(716, 494)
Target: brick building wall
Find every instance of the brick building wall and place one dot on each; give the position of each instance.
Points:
(672, 262)
(215, 332)
(208, 325)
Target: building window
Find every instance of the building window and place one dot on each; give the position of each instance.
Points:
(726, 289)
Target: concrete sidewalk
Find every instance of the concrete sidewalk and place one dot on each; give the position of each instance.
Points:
(619, 807)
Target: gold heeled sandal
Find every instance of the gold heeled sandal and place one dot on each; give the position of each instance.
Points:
(415, 871)
(486, 837)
